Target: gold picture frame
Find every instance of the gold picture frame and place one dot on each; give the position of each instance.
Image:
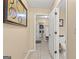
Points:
(17, 16)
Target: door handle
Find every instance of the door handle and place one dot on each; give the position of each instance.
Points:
(55, 32)
(55, 52)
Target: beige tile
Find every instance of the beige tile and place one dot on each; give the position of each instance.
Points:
(41, 52)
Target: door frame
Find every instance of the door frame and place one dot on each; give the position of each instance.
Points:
(35, 20)
(66, 31)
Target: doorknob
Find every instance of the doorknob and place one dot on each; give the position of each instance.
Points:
(55, 32)
(55, 52)
(55, 13)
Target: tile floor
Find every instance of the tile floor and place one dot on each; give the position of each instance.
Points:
(41, 52)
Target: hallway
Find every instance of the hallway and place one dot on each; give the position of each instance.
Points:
(41, 52)
(35, 27)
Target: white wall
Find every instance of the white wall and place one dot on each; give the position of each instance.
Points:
(71, 29)
(16, 41)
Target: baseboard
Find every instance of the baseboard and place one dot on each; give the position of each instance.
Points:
(28, 53)
(51, 55)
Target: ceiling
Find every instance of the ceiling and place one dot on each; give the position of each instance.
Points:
(40, 3)
(62, 5)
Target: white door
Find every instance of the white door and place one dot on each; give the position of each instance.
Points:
(54, 33)
(51, 36)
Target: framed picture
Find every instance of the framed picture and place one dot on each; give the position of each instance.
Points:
(17, 13)
(41, 27)
(61, 22)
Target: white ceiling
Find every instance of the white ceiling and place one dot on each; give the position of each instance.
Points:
(62, 5)
(40, 3)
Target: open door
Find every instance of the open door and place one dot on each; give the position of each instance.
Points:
(54, 33)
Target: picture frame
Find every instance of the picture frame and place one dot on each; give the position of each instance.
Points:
(16, 16)
(5, 9)
(61, 22)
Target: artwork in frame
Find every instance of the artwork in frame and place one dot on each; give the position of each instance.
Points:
(17, 13)
(61, 22)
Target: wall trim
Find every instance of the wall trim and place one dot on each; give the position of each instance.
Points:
(35, 26)
(28, 53)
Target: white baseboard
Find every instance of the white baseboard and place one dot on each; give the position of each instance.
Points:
(28, 53)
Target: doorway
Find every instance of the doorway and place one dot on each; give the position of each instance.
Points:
(42, 37)
(49, 42)
(41, 28)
